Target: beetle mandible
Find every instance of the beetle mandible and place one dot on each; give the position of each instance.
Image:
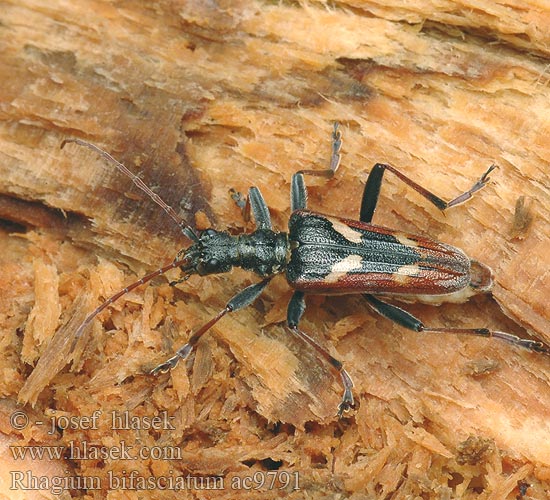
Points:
(322, 254)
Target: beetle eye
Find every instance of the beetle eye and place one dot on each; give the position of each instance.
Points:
(209, 233)
(210, 266)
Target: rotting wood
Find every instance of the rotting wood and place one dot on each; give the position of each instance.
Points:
(198, 100)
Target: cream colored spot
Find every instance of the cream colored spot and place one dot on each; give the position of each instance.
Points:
(403, 273)
(456, 297)
(404, 240)
(347, 232)
(343, 267)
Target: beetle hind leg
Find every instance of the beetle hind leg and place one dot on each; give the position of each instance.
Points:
(407, 320)
(296, 309)
(374, 182)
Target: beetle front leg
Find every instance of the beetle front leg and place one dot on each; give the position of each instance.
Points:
(407, 320)
(179, 256)
(298, 192)
(374, 181)
(296, 308)
(242, 203)
(255, 202)
(335, 156)
(262, 218)
(242, 299)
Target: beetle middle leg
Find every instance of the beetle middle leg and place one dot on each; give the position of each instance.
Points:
(407, 320)
(296, 308)
(374, 181)
(297, 305)
(242, 299)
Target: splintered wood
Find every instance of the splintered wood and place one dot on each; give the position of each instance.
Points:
(201, 97)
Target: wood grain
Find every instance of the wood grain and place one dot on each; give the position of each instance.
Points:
(199, 97)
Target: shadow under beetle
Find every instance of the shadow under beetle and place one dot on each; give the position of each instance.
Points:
(321, 254)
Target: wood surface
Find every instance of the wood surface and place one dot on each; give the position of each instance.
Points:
(200, 97)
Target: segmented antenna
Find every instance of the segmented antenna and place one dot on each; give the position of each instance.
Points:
(186, 228)
(178, 262)
(124, 291)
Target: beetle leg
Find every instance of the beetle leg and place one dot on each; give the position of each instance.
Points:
(242, 202)
(335, 156)
(242, 299)
(260, 209)
(298, 192)
(407, 320)
(256, 202)
(374, 181)
(296, 308)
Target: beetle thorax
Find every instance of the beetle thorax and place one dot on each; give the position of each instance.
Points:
(264, 252)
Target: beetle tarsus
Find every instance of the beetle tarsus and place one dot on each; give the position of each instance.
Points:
(182, 353)
(536, 346)
(532, 345)
(481, 183)
(346, 405)
(347, 399)
(485, 177)
(166, 366)
(335, 156)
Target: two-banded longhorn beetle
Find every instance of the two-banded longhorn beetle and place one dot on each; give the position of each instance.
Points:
(321, 254)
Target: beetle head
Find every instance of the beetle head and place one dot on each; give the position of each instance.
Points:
(213, 252)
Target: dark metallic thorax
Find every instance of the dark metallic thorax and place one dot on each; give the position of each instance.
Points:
(264, 252)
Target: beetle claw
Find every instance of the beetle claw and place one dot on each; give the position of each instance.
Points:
(166, 366)
(347, 403)
(347, 399)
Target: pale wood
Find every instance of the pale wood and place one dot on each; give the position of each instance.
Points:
(199, 97)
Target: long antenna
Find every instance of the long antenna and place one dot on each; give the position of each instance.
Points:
(187, 230)
(124, 291)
